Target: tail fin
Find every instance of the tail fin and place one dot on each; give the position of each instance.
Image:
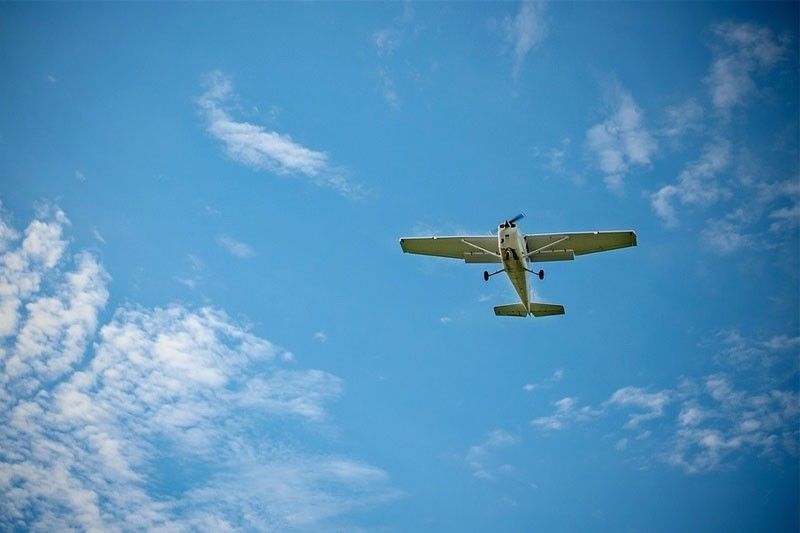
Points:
(537, 309)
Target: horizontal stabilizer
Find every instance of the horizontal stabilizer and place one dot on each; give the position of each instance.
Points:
(537, 309)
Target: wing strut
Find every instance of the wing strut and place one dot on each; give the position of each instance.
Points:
(484, 250)
(548, 245)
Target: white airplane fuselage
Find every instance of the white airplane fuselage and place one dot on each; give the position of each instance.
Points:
(511, 243)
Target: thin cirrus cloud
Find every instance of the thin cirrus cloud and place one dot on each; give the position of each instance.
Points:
(741, 52)
(480, 457)
(235, 248)
(621, 142)
(696, 184)
(258, 148)
(705, 424)
(524, 31)
(96, 422)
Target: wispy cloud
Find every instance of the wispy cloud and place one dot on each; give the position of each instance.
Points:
(479, 456)
(261, 149)
(567, 410)
(235, 248)
(524, 31)
(558, 375)
(90, 439)
(621, 142)
(388, 88)
(652, 403)
(387, 40)
(706, 424)
(696, 184)
(741, 51)
(683, 118)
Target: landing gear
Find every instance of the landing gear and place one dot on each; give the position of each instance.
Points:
(486, 274)
(539, 274)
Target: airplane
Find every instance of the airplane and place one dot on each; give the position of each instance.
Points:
(515, 250)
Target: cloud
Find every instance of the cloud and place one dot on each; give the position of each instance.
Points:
(696, 184)
(558, 375)
(163, 418)
(388, 89)
(741, 51)
(708, 424)
(683, 118)
(387, 40)
(21, 269)
(524, 31)
(98, 236)
(235, 248)
(321, 337)
(725, 236)
(566, 412)
(652, 403)
(261, 149)
(479, 455)
(621, 142)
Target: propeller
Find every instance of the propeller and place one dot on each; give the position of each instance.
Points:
(510, 223)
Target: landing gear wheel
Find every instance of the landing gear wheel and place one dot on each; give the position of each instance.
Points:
(485, 275)
(541, 274)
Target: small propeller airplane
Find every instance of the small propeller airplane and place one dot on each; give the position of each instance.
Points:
(515, 250)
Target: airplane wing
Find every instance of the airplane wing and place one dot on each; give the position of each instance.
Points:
(471, 249)
(565, 246)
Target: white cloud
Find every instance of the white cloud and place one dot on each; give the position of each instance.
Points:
(708, 426)
(741, 51)
(387, 40)
(80, 176)
(725, 237)
(480, 456)
(321, 336)
(98, 236)
(697, 184)
(258, 148)
(565, 413)
(95, 427)
(558, 374)
(524, 31)
(621, 141)
(235, 248)
(388, 89)
(21, 269)
(683, 118)
(652, 403)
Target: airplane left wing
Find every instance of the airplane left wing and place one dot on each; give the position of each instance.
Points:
(472, 249)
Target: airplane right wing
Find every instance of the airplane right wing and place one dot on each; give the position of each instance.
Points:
(565, 246)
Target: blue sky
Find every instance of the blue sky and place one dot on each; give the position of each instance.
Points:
(207, 321)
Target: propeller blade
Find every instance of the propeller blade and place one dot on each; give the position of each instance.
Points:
(518, 217)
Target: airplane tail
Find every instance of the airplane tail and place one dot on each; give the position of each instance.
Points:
(537, 309)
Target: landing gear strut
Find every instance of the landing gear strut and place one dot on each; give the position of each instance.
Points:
(486, 274)
(540, 274)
